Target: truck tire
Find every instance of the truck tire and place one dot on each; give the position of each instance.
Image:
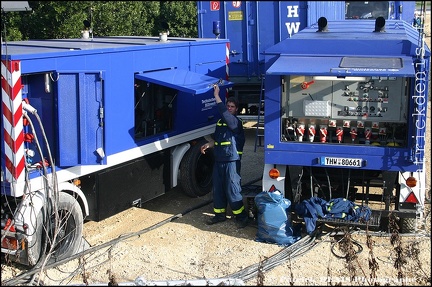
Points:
(69, 234)
(196, 171)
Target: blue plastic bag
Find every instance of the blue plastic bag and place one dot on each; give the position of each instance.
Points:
(274, 221)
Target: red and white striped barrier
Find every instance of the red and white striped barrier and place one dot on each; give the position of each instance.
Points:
(13, 133)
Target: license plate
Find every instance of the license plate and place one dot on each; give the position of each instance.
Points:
(341, 161)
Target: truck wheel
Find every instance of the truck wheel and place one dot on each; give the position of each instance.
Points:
(407, 225)
(196, 171)
(69, 235)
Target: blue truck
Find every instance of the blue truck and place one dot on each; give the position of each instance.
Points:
(93, 126)
(254, 26)
(345, 117)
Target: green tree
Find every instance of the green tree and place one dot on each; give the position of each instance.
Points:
(120, 18)
(10, 28)
(54, 19)
(64, 19)
(181, 18)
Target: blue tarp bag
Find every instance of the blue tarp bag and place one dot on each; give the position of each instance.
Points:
(274, 222)
(341, 208)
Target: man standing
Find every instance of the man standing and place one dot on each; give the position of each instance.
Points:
(228, 142)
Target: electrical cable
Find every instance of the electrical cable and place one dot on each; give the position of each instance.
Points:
(348, 183)
(300, 247)
(25, 275)
(44, 255)
(29, 109)
(329, 183)
(15, 281)
(317, 183)
(311, 182)
(54, 198)
(277, 259)
(354, 242)
(298, 188)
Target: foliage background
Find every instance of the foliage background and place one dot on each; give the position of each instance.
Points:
(64, 19)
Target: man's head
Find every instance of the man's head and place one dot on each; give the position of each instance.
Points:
(232, 105)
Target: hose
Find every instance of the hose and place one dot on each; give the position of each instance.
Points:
(354, 242)
(296, 249)
(24, 277)
(289, 252)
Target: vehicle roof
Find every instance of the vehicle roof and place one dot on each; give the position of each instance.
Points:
(65, 47)
(352, 37)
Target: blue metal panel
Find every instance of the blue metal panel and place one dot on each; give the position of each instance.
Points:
(79, 125)
(237, 21)
(210, 60)
(195, 110)
(397, 40)
(69, 125)
(334, 66)
(332, 10)
(183, 80)
(254, 26)
(276, 20)
(404, 10)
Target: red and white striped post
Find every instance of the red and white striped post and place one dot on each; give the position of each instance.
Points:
(13, 133)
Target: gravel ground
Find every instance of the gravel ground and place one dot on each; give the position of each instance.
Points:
(166, 242)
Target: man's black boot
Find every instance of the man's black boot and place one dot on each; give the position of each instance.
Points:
(216, 219)
(242, 222)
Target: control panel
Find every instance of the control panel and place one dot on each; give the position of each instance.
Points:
(353, 110)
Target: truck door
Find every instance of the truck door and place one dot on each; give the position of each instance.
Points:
(194, 106)
(80, 120)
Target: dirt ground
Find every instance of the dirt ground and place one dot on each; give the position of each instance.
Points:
(166, 242)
